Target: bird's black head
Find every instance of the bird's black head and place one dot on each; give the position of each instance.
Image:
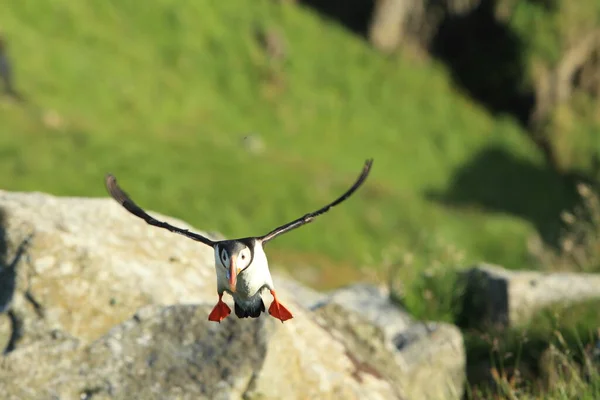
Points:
(235, 256)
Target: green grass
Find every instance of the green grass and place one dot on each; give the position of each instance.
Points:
(548, 28)
(549, 357)
(162, 94)
(511, 363)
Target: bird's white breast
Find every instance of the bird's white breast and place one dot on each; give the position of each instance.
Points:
(253, 278)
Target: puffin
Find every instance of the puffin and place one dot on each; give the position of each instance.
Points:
(241, 264)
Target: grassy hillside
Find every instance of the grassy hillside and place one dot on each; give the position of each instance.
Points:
(162, 94)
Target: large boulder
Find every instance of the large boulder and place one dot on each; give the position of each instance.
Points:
(175, 352)
(94, 303)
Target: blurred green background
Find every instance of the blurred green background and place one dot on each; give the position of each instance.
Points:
(483, 118)
(200, 119)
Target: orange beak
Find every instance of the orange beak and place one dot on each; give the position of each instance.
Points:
(232, 274)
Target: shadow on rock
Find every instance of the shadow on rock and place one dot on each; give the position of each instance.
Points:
(8, 284)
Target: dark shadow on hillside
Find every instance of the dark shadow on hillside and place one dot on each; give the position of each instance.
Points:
(485, 56)
(498, 181)
(487, 59)
(355, 15)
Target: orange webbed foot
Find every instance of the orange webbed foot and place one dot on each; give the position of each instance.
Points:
(278, 310)
(220, 312)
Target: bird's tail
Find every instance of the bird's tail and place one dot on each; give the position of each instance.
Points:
(250, 309)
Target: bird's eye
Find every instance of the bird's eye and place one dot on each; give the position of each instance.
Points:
(243, 256)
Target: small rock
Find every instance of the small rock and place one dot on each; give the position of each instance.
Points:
(500, 297)
(254, 144)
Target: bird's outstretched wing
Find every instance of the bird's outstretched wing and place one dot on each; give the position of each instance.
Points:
(311, 216)
(122, 198)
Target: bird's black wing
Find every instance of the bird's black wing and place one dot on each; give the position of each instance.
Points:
(311, 216)
(120, 196)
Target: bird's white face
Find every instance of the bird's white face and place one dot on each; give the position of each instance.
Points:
(234, 259)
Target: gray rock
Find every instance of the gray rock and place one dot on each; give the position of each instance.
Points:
(97, 304)
(305, 296)
(84, 265)
(168, 352)
(433, 359)
(427, 359)
(374, 304)
(501, 297)
(254, 144)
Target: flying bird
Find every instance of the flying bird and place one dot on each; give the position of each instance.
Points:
(241, 264)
